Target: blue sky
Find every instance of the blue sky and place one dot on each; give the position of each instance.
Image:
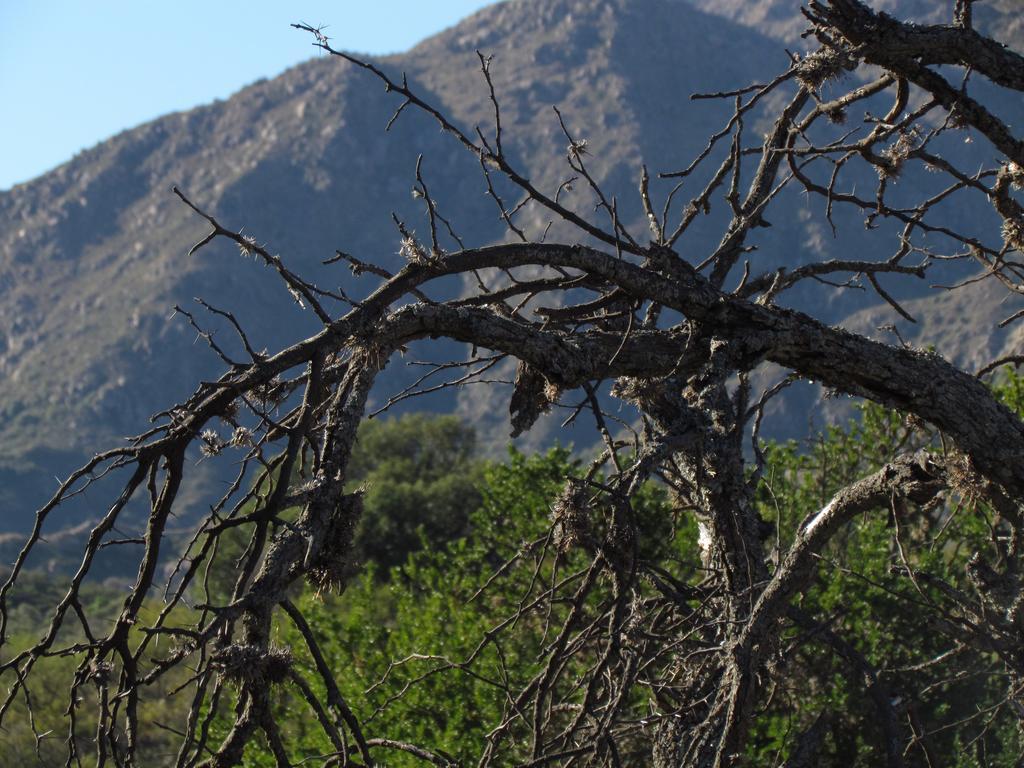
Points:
(75, 72)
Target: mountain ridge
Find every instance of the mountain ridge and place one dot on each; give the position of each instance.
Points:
(93, 254)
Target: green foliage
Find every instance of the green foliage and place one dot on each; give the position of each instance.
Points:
(33, 605)
(421, 476)
(406, 642)
(423, 609)
(412, 640)
(863, 619)
(165, 702)
(430, 616)
(1010, 390)
(894, 629)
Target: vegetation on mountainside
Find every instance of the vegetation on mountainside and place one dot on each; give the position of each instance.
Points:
(862, 619)
(409, 627)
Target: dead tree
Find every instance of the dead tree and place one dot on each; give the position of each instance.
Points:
(676, 333)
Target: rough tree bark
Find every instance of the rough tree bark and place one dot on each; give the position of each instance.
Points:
(689, 380)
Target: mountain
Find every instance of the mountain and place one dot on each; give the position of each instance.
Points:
(962, 324)
(781, 19)
(93, 255)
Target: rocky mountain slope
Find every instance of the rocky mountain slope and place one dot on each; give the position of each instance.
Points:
(781, 19)
(93, 256)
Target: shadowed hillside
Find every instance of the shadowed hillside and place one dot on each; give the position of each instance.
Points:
(93, 256)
